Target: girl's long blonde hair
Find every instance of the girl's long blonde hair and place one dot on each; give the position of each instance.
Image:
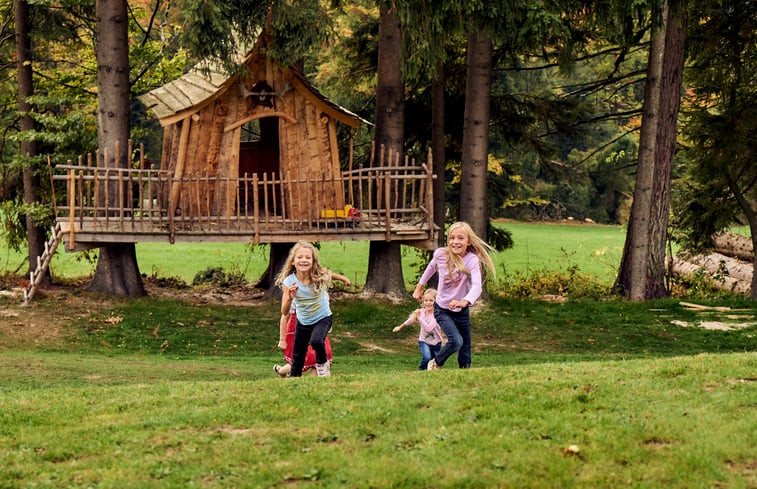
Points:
(320, 276)
(476, 245)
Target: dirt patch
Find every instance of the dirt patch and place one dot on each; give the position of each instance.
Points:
(44, 321)
(203, 295)
(41, 324)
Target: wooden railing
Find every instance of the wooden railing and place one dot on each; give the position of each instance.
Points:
(143, 201)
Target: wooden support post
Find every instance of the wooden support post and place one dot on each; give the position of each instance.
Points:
(173, 198)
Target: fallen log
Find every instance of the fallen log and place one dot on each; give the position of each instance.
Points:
(716, 278)
(733, 244)
(725, 265)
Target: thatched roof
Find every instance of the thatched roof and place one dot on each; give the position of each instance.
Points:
(189, 91)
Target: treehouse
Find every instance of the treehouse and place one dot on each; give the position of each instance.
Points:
(252, 157)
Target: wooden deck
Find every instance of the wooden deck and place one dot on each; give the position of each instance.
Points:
(112, 205)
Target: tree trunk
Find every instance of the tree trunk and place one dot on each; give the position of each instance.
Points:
(384, 259)
(276, 259)
(438, 153)
(473, 195)
(642, 270)
(753, 294)
(117, 272)
(385, 272)
(35, 235)
(748, 208)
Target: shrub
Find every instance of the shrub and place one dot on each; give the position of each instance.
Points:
(217, 276)
(568, 283)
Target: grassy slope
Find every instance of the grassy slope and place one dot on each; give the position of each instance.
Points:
(681, 422)
(159, 393)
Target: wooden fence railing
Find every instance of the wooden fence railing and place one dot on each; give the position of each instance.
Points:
(137, 200)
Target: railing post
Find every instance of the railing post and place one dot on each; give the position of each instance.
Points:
(255, 214)
(81, 199)
(430, 193)
(71, 207)
(388, 205)
(52, 186)
(172, 208)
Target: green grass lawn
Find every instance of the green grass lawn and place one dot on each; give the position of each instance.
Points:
(681, 422)
(156, 392)
(592, 249)
(160, 393)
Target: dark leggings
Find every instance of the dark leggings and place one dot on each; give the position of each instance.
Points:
(313, 335)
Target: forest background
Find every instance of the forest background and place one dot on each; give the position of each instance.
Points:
(565, 102)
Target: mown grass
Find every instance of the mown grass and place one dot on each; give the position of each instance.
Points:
(683, 422)
(157, 392)
(160, 393)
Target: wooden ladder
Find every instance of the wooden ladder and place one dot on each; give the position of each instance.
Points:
(35, 276)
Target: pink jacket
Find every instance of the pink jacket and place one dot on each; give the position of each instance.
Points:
(431, 333)
(454, 284)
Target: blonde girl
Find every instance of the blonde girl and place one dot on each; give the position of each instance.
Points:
(287, 328)
(430, 337)
(460, 284)
(304, 283)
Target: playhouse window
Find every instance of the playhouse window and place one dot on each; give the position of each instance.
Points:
(251, 131)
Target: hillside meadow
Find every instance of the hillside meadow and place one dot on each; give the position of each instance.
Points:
(176, 389)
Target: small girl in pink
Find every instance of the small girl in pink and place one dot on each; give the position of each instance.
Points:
(430, 338)
(459, 267)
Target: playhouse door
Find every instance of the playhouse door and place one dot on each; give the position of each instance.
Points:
(259, 154)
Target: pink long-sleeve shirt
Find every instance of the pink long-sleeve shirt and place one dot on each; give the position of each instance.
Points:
(431, 332)
(454, 284)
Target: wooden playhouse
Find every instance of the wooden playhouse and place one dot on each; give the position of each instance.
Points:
(252, 157)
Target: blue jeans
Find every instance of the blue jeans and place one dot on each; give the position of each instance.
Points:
(313, 335)
(456, 325)
(427, 353)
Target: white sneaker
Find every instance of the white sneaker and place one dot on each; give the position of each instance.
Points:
(323, 369)
(432, 365)
(282, 371)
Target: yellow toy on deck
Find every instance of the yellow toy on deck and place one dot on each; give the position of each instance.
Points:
(350, 214)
